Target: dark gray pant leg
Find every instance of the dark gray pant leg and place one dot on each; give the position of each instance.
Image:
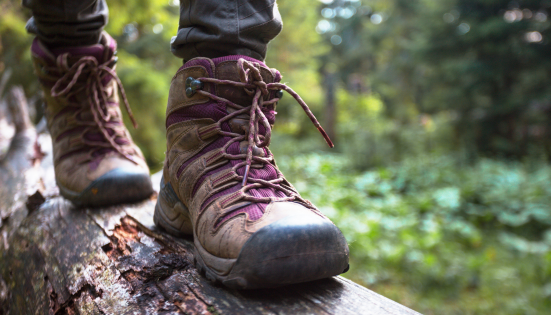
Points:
(62, 23)
(208, 28)
(216, 28)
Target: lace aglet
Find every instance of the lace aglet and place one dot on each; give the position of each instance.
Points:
(326, 137)
(245, 176)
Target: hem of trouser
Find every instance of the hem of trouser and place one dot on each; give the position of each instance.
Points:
(82, 24)
(67, 23)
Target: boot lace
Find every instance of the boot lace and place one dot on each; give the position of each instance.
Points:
(252, 82)
(97, 98)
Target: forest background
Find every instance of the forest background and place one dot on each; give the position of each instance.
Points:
(441, 114)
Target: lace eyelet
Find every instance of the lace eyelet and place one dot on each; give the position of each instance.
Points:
(188, 81)
(189, 92)
(192, 85)
(196, 85)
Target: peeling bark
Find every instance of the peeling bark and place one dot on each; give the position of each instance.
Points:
(57, 259)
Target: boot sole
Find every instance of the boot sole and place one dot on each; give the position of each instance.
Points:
(318, 252)
(114, 187)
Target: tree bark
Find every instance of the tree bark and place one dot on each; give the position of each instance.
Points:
(57, 259)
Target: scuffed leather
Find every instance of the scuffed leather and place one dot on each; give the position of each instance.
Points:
(223, 240)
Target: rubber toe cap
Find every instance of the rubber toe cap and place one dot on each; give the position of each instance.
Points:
(120, 185)
(291, 250)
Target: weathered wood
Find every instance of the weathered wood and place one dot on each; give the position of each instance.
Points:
(114, 261)
(60, 260)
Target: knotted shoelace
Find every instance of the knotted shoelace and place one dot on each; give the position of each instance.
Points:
(252, 82)
(97, 97)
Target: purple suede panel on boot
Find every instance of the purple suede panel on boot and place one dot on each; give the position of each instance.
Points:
(100, 52)
(205, 63)
(96, 51)
(236, 57)
(277, 77)
(37, 50)
(211, 110)
(199, 62)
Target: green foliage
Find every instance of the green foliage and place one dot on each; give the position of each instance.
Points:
(148, 96)
(145, 67)
(369, 138)
(437, 235)
(14, 46)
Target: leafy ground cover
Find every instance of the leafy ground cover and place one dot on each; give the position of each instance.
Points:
(437, 235)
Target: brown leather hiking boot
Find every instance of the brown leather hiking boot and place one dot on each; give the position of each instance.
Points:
(220, 182)
(96, 162)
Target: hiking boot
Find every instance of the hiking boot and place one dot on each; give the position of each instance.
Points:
(220, 183)
(96, 162)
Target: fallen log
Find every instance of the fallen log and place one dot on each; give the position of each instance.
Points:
(57, 259)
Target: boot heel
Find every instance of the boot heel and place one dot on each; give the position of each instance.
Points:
(170, 212)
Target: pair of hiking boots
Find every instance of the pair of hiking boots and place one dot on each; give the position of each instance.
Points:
(220, 182)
